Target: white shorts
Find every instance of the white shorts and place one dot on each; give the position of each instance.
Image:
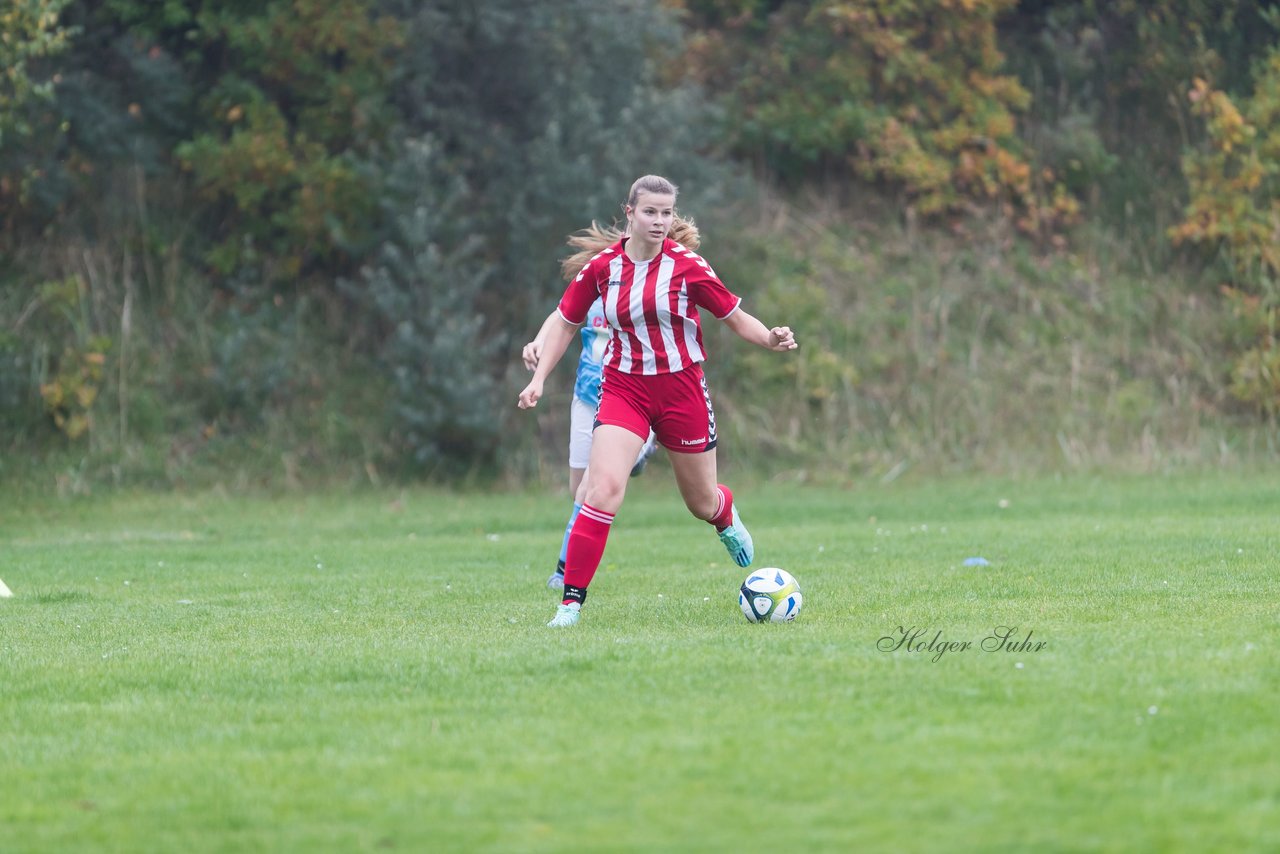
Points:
(582, 419)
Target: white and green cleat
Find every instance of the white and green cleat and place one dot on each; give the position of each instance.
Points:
(566, 615)
(737, 541)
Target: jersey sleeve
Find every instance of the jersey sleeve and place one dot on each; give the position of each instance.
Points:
(581, 293)
(707, 291)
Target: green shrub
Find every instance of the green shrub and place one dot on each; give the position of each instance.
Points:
(942, 353)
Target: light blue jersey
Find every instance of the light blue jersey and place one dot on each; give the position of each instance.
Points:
(595, 337)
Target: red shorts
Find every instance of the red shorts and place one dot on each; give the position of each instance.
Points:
(677, 407)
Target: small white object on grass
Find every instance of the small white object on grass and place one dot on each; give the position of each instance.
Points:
(5, 592)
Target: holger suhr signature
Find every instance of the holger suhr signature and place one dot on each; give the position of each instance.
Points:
(926, 640)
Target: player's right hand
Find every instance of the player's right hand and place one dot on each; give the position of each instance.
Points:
(531, 353)
(531, 394)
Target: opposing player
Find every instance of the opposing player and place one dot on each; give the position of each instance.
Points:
(652, 288)
(582, 410)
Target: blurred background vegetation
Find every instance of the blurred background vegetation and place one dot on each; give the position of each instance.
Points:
(291, 242)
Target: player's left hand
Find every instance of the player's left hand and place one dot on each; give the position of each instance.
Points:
(781, 338)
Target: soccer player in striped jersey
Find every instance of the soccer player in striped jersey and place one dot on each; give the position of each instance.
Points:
(652, 287)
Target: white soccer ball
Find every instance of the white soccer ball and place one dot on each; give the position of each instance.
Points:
(770, 595)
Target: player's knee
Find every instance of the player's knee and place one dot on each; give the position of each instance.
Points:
(605, 490)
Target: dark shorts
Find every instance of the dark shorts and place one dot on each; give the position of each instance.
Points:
(677, 407)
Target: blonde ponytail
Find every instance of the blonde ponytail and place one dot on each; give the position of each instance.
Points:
(591, 241)
(685, 232)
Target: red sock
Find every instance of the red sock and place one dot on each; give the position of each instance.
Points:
(724, 510)
(586, 546)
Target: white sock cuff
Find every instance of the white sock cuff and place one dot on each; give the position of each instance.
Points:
(597, 515)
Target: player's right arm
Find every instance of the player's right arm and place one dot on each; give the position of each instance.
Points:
(557, 340)
(532, 351)
(560, 327)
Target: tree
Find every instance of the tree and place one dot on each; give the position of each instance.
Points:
(30, 30)
(520, 124)
(903, 94)
(1234, 209)
(296, 101)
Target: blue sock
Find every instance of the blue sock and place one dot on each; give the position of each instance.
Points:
(564, 544)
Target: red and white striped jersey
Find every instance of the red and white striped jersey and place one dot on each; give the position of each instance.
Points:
(652, 306)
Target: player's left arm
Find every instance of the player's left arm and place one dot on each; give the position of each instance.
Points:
(749, 328)
(708, 291)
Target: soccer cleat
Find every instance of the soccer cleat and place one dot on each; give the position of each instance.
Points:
(566, 615)
(556, 581)
(737, 540)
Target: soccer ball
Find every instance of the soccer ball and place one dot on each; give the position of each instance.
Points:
(770, 595)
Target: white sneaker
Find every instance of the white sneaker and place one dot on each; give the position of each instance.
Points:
(566, 615)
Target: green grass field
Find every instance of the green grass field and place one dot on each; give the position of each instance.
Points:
(372, 672)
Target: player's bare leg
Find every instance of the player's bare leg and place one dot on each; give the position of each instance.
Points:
(712, 502)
